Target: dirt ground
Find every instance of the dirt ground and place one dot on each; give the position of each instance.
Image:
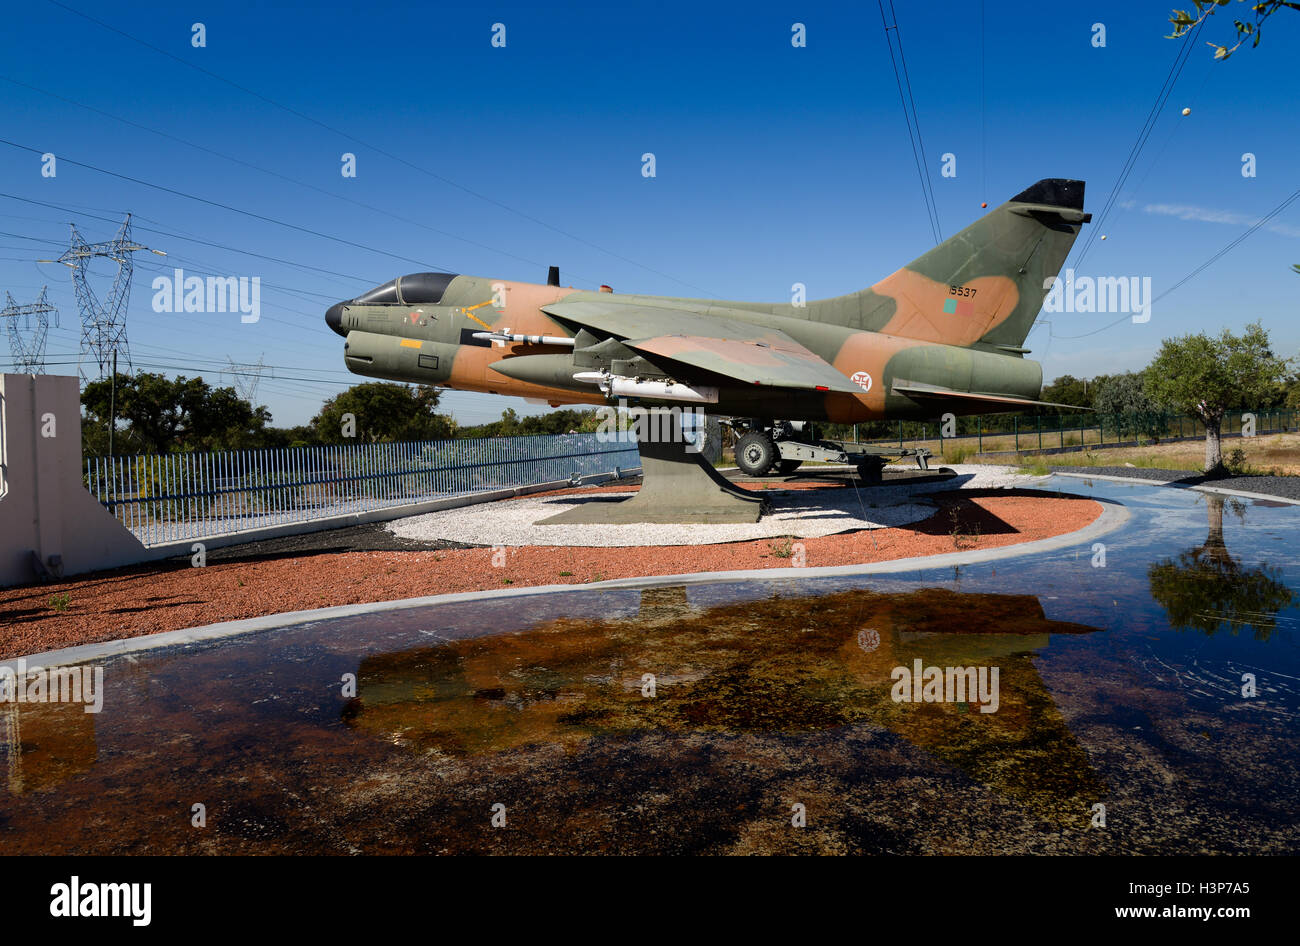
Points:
(1278, 454)
(362, 565)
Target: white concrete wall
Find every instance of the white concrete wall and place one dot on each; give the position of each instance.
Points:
(44, 508)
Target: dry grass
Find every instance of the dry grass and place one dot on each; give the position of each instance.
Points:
(1278, 454)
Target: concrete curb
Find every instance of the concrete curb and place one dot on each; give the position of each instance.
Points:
(1113, 515)
(1114, 479)
(1176, 485)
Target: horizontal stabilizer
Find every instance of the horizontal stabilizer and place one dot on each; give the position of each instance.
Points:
(930, 392)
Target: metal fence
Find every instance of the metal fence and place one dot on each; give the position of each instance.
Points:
(180, 496)
(1008, 432)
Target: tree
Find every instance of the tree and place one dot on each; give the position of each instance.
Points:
(1124, 397)
(1206, 588)
(555, 422)
(303, 435)
(383, 412)
(1067, 389)
(1197, 374)
(165, 415)
(1291, 392)
(1184, 21)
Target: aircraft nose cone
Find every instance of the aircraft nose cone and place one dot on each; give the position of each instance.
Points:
(334, 318)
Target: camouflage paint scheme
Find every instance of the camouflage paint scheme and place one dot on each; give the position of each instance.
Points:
(943, 334)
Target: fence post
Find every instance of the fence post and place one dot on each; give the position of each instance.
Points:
(1015, 428)
(979, 431)
(1039, 418)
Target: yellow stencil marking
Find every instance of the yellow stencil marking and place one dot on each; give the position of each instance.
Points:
(410, 343)
(470, 312)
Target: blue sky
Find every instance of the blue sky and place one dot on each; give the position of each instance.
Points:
(775, 164)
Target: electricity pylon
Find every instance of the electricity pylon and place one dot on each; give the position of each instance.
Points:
(103, 326)
(29, 352)
(246, 377)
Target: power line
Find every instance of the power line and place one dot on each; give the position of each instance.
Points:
(196, 267)
(910, 117)
(1233, 244)
(216, 203)
(984, 163)
(173, 367)
(371, 146)
(282, 177)
(916, 120)
(1148, 126)
(190, 239)
(288, 289)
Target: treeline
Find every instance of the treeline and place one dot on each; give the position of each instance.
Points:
(157, 414)
(1125, 396)
(1194, 374)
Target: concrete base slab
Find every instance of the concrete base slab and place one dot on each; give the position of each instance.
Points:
(632, 510)
(801, 513)
(677, 487)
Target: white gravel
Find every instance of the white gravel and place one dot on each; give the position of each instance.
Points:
(803, 513)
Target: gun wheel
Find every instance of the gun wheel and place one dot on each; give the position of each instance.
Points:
(756, 453)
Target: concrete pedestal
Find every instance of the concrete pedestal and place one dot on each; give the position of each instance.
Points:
(677, 486)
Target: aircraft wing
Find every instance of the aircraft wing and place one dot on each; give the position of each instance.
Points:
(752, 354)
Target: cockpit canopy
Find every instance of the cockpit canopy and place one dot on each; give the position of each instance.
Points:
(414, 289)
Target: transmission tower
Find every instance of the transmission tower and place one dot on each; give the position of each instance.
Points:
(103, 325)
(29, 352)
(246, 377)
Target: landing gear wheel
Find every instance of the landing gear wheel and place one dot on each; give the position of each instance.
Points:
(786, 467)
(756, 453)
(871, 470)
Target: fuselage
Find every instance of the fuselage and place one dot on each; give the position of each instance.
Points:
(421, 329)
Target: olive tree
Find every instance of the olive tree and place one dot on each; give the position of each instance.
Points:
(1185, 21)
(1206, 376)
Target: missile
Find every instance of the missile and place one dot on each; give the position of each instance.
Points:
(616, 386)
(505, 335)
(557, 371)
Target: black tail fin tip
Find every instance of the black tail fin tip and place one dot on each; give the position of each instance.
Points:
(1053, 191)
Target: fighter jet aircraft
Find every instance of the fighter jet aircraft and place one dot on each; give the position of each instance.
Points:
(944, 334)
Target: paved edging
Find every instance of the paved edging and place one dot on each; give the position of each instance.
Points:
(1113, 515)
(1176, 485)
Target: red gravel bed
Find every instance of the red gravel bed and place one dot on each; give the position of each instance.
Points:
(149, 599)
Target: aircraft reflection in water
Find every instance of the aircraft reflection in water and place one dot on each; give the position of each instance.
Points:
(1206, 589)
(782, 665)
